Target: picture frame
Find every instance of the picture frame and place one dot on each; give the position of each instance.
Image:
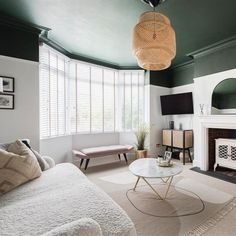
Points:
(8, 84)
(167, 155)
(7, 101)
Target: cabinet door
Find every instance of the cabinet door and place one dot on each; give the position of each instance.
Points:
(178, 138)
(166, 136)
(188, 138)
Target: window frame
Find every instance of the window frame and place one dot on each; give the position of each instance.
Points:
(118, 100)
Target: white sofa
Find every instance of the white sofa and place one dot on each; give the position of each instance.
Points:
(61, 196)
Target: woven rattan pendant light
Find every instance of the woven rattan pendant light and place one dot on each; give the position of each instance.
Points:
(153, 42)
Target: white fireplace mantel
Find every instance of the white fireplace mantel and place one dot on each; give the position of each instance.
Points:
(203, 89)
(201, 126)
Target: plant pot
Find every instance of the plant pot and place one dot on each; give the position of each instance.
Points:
(141, 154)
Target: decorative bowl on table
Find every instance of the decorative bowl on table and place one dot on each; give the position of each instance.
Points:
(164, 163)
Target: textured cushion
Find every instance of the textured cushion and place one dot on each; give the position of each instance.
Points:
(43, 164)
(4, 146)
(81, 227)
(17, 166)
(50, 162)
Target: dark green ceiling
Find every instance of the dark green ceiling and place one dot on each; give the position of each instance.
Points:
(101, 29)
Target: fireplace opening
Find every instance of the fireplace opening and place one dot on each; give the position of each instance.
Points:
(219, 134)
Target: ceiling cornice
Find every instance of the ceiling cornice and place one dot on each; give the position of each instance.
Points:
(56, 46)
(43, 33)
(183, 65)
(21, 25)
(223, 44)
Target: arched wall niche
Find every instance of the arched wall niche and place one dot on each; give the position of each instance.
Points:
(223, 99)
(204, 87)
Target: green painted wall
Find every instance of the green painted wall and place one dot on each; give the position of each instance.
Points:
(161, 78)
(182, 75)
(222, 60)
(227, 101)
(224, 94)
(218, 61)
(18, 43)
(173, 77)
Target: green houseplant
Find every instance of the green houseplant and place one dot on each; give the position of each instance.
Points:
(141, 135)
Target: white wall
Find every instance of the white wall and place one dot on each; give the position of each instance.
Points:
(59, 148)
(157, 121)
(92, 140)
(204, 87)
(23, 121)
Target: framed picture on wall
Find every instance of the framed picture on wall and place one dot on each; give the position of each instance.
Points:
(8, 84)
(7, 101)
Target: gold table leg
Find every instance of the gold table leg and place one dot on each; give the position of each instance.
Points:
(165, 181)
(136, 183)
(152, 188)
(168, 186)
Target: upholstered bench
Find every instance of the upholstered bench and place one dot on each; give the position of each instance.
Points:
(102, 151)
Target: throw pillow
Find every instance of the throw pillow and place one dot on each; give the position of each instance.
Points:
(18, 165)
(43, 164)
(4, 146)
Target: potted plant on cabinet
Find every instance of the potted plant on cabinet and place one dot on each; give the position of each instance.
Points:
(141, 135)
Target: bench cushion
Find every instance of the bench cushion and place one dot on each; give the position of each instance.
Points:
(102, 151)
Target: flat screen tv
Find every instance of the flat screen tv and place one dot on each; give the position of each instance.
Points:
(176, 104)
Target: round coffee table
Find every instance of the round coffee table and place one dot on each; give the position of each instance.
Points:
(148, 168)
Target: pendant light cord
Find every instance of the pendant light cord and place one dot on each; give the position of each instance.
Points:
(154, 34)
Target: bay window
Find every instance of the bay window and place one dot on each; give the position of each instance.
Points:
(77, 97)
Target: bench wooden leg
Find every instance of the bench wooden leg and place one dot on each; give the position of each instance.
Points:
(119, 156)
(81, 162)
(86, 163)
(125, 157)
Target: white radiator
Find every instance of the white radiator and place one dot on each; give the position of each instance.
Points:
(225, 153)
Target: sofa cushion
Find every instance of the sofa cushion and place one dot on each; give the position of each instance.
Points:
(50, 162)
(81, 227)
(17, 166)
(43, 164)
(4, 146)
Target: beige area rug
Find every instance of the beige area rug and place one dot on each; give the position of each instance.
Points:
(178, 203)
(217, 204)
(124, 177)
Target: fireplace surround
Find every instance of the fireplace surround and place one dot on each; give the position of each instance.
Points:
(204, 123)
(214, 134)
(207, 128)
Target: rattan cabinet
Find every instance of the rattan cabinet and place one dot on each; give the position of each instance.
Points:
(178, 139)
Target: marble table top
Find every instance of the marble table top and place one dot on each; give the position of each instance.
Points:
(148, 168)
